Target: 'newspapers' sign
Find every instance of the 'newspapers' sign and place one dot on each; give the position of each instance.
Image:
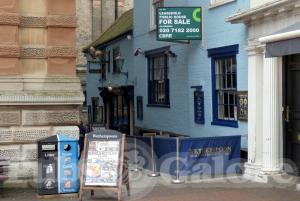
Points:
(175, 23)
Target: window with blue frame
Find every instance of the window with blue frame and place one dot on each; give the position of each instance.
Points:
(116, 53)
(224, 85)
(158, 81)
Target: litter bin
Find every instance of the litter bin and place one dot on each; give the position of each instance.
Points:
(57, 164)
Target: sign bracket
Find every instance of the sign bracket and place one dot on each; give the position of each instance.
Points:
(178, 41)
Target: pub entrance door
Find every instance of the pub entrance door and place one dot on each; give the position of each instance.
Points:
(119, 110)
(292, 108)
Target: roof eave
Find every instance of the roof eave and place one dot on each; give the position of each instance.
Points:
(256, 12)
(106, 43)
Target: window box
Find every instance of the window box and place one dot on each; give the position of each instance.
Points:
(159, 105)
(233, 124)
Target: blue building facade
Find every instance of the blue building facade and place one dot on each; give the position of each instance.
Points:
(194, 66)
(109, 86)
(166, 76)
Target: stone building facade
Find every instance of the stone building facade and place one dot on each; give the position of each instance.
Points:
(40, 93)
(84, 36)
(106, 12)
(274, 66)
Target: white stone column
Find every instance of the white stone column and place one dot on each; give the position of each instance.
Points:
(255, 93)
(272, 115)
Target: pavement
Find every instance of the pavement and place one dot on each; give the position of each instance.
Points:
(144, 188)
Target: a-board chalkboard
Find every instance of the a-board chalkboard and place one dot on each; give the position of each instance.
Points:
(103, 161)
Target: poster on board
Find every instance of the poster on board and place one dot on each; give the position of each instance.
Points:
(103, 163)
(102, 159)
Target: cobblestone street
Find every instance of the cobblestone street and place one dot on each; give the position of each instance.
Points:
(213, 190)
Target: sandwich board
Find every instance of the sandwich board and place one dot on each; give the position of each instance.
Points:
(103, 163)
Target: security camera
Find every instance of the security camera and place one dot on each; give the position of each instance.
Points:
(138, 51)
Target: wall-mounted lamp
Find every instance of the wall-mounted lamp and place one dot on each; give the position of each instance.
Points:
(139, 51)
(109, 88)
(97, 54)
(120, 63)
(129, 37)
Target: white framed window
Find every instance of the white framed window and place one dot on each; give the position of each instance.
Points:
(155, 4)
(226, 88)
(216, 3)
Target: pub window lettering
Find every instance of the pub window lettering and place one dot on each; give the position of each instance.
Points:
(158, 81)
(224, 78)
(156, 4)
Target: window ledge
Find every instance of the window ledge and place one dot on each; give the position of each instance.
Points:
(233, 124)
(158, 105)
(214, 5)
(152, 29)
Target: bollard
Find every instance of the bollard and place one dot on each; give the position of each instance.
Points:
(177, 179)
(136, 162)
(154, 173)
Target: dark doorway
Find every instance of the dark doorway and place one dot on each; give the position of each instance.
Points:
(292, 108)
(118, 109)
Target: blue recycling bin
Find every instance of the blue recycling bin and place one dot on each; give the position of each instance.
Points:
(58, 165)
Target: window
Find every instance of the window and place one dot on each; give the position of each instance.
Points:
(108, 61)
(116, 52)
(116, 9)
(158, 81)
(85, 97)
(96, 18)
(155, 4)
(224, 86)
(216, 3)
(103, 66)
